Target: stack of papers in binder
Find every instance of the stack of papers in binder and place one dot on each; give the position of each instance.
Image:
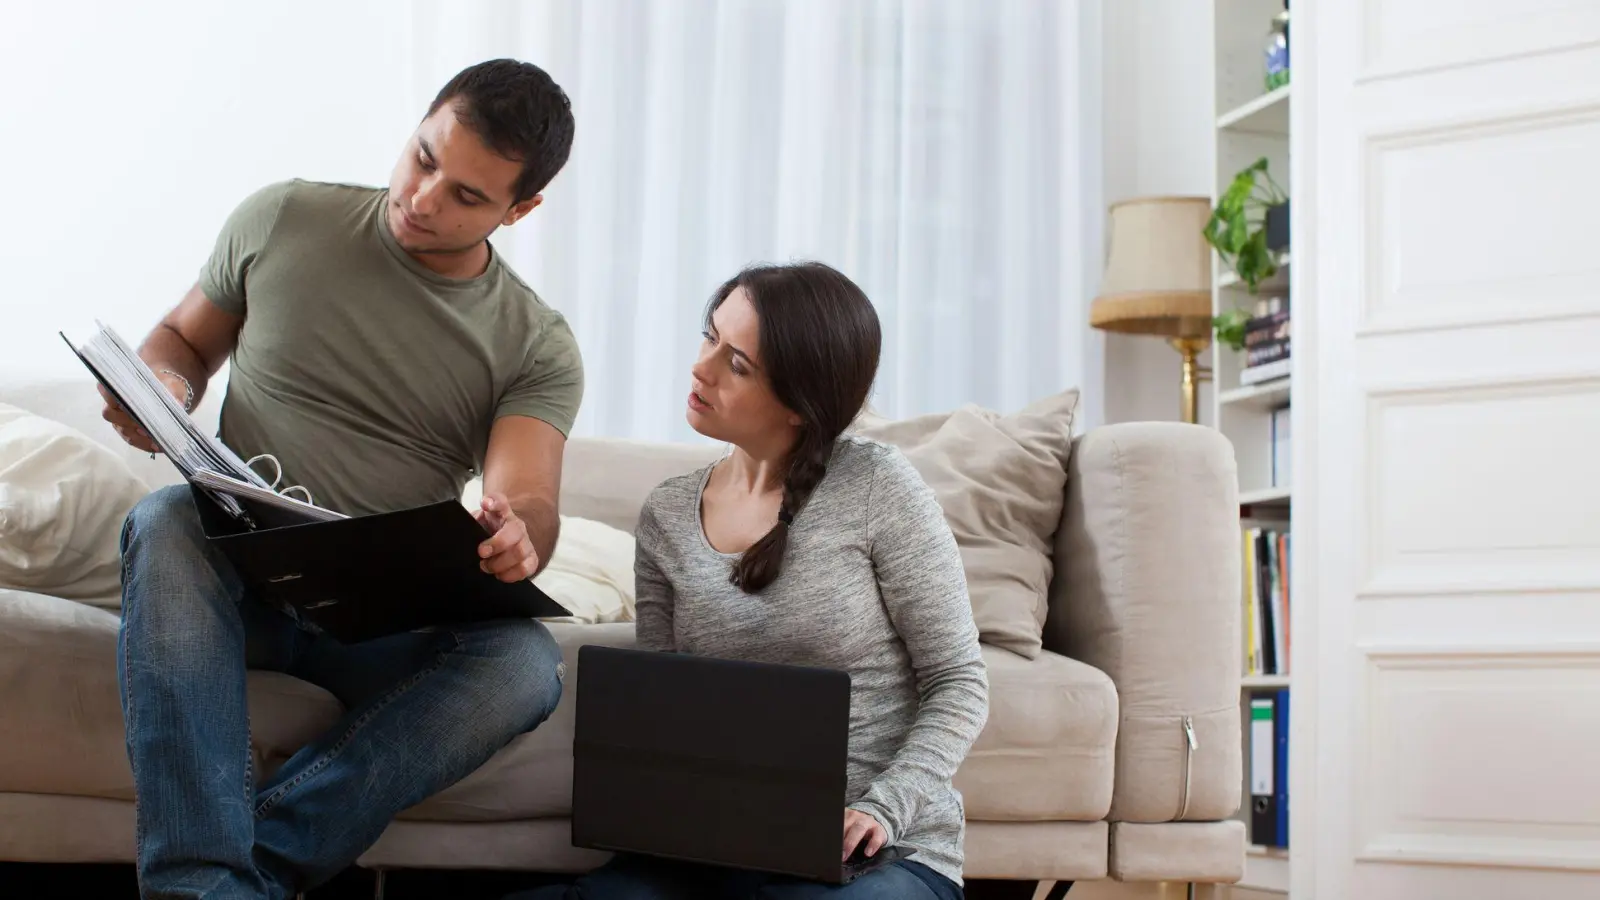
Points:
(203, 460)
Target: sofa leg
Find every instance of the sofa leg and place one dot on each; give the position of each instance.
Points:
(1059, 890)
(379, 880)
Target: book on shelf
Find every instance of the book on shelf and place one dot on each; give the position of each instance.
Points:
(1266, 342)
(1279, 437)
(1264, 373)
(1266, 600)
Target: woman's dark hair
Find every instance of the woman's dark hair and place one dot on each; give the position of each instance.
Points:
(820, 342)
(520, 112)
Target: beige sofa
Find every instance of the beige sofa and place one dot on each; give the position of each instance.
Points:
(1084, 771)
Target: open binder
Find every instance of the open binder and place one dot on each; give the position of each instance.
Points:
(356, 578)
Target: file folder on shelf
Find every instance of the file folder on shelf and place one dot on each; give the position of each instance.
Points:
(1280, 766)
(1264, 771)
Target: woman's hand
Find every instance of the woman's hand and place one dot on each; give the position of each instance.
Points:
(859, 826)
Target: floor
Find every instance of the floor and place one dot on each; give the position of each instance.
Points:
(116, 882)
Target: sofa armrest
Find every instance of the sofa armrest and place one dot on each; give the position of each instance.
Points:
(1147, 589)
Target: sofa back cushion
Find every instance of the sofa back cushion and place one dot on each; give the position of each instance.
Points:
(608, 479)
(1001, 480)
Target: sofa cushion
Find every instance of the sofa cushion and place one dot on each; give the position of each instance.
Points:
(1048, 751)
(63, 498)
(1045, 754)
(1001, 481)
(58, 681)
(58, 678)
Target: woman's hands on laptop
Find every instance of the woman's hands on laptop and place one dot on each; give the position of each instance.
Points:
(858, 827)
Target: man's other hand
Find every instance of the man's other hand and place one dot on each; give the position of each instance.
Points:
(508, 554)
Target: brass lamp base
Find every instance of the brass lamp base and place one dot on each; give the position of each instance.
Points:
(1193, 373)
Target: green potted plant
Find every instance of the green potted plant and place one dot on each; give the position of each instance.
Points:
(1230, 327)
(1247, 228)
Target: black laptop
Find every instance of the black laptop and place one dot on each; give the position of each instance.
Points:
(714, 761)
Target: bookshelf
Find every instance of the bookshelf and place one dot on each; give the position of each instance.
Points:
(1253, 122)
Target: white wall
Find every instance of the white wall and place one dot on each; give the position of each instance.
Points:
(1158, 134)
(126, 143)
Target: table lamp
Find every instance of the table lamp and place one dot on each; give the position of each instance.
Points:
(1158, 280)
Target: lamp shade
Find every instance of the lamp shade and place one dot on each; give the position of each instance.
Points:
(1158, 271)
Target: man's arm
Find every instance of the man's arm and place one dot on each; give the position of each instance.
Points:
(193, 340)
(522, 471)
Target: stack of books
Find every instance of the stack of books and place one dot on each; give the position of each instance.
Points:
(1266, 601)
(1267, 652)
(1266, 342)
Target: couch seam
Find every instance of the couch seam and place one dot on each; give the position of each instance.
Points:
(1227, 707)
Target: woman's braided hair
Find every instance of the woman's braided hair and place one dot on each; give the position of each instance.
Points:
(820, 342)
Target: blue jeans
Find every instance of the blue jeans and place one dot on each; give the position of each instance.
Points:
(422, 710)
(632, 877)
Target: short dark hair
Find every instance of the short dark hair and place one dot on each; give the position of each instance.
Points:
(520, 112)
(820, 342)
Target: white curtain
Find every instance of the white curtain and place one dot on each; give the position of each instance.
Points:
(939, 152)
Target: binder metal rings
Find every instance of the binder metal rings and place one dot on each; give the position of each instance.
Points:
(277, 468)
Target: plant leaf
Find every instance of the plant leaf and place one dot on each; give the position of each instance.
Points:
(1230, 327)
(1233, 199)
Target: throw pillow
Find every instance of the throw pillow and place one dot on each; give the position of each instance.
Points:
(591, 571)
(1001, 480)
(63, 499)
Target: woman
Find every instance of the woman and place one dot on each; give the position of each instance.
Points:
(808, 546)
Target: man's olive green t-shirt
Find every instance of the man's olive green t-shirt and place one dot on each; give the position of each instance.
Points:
(373, 379)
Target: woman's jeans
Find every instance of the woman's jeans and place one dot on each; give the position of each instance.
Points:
(422, 710)
(632, 877)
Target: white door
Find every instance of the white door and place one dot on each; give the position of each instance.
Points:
(1447, 184)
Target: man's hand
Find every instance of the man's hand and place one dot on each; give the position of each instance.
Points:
(859, 826)
(508, 554)
(126, 427)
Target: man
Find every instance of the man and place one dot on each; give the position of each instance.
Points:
(382, 352)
